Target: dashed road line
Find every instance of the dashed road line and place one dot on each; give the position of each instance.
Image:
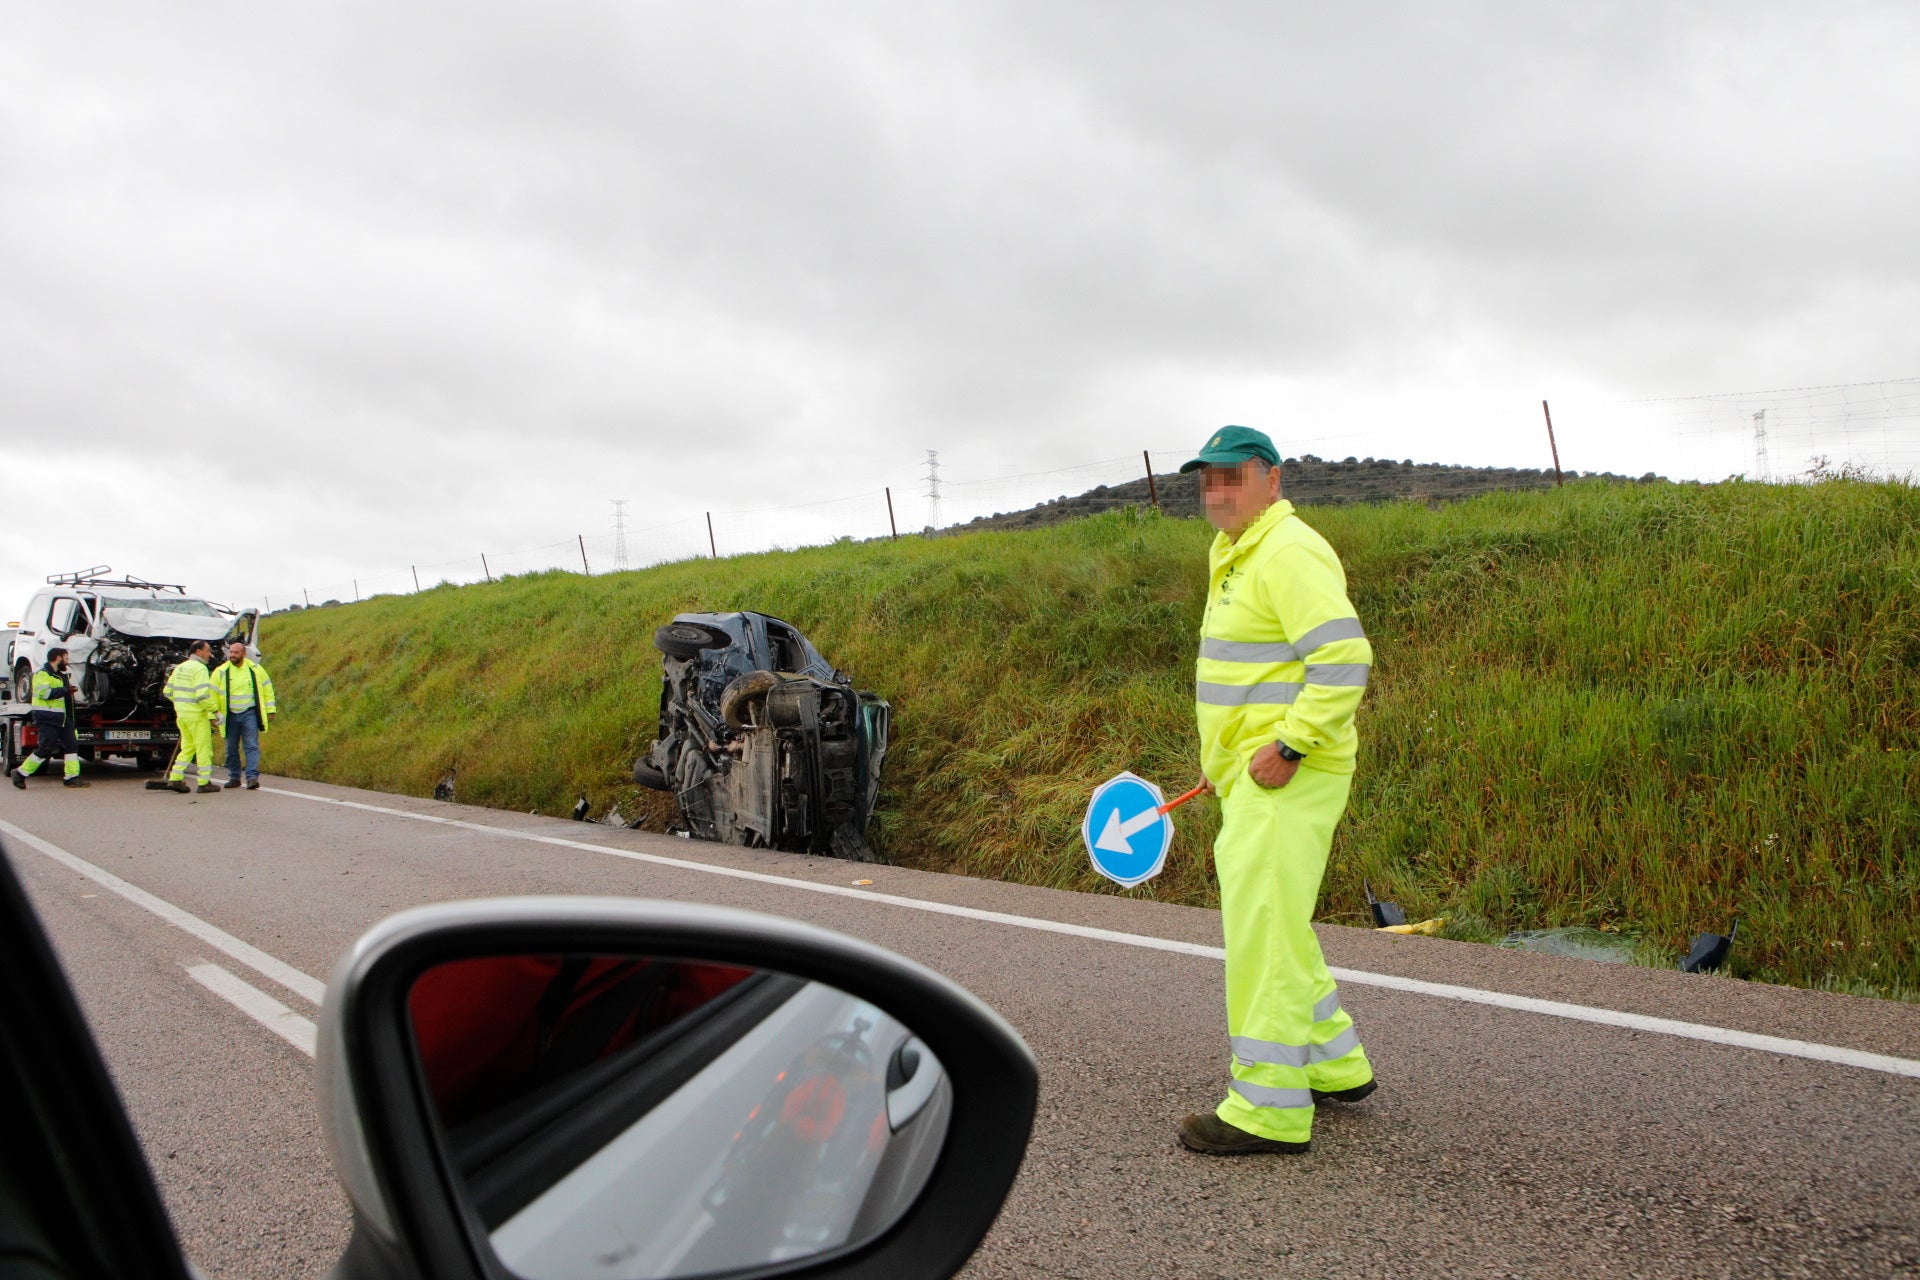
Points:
(258, 1005)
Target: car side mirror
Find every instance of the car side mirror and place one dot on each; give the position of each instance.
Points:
(552, 1088)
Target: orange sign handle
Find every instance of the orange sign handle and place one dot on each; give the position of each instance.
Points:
(1177, 801)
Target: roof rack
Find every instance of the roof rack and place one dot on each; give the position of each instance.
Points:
(94, 578)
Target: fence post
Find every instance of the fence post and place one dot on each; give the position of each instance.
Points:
(416, 578)
(483, 566)
(890, 524)
(1153, 490)
(1551, 444)
(583, 554)
(712, 547)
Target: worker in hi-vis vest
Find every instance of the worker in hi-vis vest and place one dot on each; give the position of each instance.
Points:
(245, 691)
(195, 707)
(52, 717)
(1283, 663)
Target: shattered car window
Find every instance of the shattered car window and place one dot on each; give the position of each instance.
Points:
(163, 604)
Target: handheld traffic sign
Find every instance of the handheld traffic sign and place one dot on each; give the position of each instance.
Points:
(1127, 830)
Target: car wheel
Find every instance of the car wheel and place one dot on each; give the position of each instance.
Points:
(23, 683)
(647, 775)
(689, 639)
(738, 700)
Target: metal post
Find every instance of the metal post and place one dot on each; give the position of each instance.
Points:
(890, 524)
(483, 566)
(1551, 444)
(583, 554)
(1153, 490)
(711, 545)
(306, 597)
(416, 577)
(356, 591)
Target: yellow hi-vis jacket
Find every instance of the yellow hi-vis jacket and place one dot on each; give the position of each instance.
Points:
(190, 689)
(248, 675)
(1282, 655)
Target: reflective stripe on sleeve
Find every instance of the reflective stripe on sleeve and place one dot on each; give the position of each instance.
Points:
(1261, 651)
(1274, 692)
(1327, 633)
(1342, 673)
(1261, 1095)
(1328, 1006)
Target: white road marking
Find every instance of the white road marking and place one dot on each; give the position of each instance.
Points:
(308, 988)
(258, 1005)
(1359, 977)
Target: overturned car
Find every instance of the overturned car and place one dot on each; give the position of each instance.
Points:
(762, 742)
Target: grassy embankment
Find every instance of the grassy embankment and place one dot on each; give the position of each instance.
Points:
(1643, 708)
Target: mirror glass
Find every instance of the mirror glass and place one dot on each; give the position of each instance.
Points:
(632, 1116)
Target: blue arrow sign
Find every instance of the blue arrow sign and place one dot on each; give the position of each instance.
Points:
(1126, 834)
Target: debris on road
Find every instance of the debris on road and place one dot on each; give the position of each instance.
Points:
(1710, 950)
(1386, 915)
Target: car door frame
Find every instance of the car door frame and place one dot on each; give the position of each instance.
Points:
(94, 1196)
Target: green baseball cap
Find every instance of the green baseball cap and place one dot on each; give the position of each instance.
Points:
(1231, 446)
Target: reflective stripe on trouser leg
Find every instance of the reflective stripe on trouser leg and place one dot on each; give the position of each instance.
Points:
(73, 765)
(31, 764)
(1288, 1031)
(196, 747)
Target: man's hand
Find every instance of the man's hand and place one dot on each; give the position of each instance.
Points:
(1268, 768)
(1206, 785)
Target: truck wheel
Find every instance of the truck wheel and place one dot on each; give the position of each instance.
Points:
(739, 699)
(684, 639)
(23, 683)
(647, 776)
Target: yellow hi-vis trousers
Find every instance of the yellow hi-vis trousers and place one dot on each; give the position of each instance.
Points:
(1287, 1031)
(196, 746)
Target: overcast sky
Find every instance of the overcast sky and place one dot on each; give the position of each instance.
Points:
(288, 297)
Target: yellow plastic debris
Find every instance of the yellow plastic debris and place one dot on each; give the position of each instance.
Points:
(863, 882)
(1428, 927)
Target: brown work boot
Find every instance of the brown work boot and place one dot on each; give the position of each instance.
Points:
(205, 787)
(1354, 1094)
(180, 785)
(75, 781)
(1208, 1134)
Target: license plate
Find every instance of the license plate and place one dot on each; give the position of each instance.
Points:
(129, 735)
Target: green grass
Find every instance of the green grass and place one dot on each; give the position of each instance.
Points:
(1644, 707)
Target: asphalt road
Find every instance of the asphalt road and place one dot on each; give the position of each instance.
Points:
(1503, 1141)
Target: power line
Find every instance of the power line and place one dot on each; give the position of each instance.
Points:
(933, 488)
(620, 534)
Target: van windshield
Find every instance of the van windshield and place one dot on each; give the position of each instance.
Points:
(162, 604)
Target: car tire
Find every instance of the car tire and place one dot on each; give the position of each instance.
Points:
(689, 639)
(23, 682)
(738, 700)
(649, 776)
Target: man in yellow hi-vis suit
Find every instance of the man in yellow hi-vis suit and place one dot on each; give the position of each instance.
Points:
(1283, 663)
(195, 707)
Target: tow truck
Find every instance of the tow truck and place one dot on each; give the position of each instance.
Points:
(122, 636)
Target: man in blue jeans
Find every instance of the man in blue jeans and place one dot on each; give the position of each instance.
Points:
(246, 707)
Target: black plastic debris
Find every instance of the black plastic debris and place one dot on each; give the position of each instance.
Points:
(1384, 913)
(1710, 950)
(580, 809)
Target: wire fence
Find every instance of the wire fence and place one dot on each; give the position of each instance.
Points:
(1867, 429)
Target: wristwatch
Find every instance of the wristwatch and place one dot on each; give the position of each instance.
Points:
(1288, 753)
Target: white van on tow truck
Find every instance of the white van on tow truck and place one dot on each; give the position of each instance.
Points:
(122, 637)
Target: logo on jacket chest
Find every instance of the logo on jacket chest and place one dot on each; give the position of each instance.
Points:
(1227, 585)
